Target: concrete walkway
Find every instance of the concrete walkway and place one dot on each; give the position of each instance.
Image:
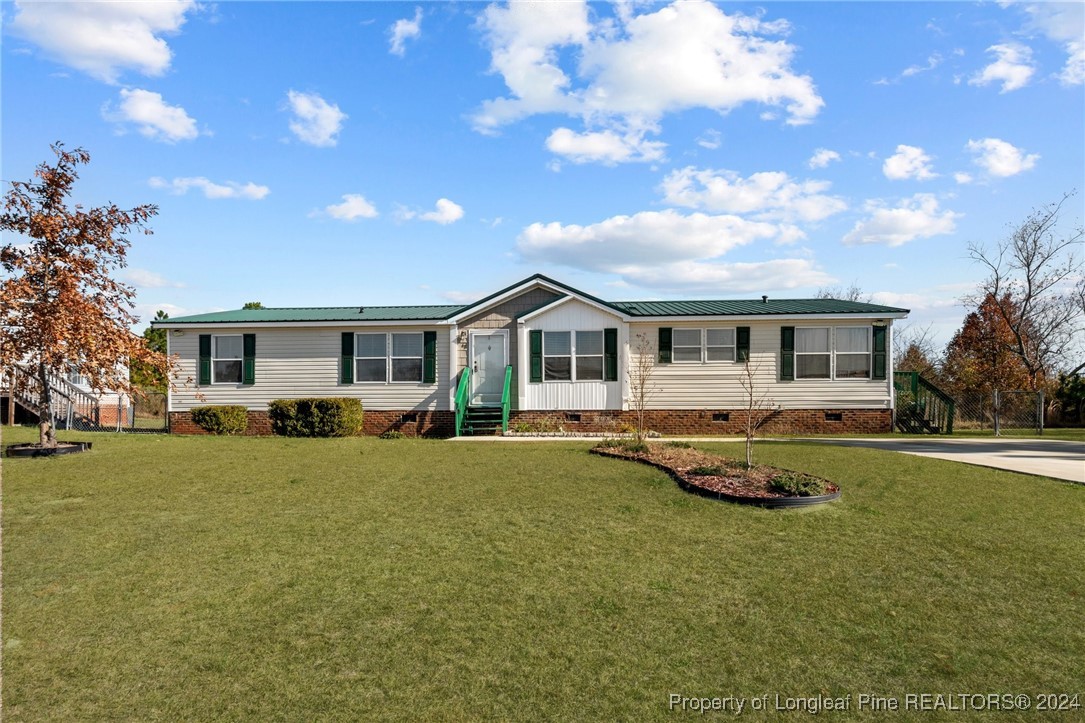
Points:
(1047, 457)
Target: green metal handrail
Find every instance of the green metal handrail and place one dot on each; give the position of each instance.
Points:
(463, 391)
(506, 393)
(927, 402)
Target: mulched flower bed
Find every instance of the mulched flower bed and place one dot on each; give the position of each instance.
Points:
(723, 477)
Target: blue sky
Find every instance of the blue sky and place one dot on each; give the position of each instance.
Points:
(321, 154)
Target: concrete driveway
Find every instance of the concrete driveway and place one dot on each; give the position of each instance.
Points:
(1050, 458)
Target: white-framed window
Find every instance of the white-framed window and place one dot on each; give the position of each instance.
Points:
(407, 352)
(686, 345)
(852, 351)
(573, 356)
(371, 358)
(394, 356)
(557, 356)
(589, 356)
(703, 345)
(226, 355)
(813, 352)
(719, 345)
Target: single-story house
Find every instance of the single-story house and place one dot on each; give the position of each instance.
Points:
(557, 356)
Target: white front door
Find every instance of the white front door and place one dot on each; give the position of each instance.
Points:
(489, 356)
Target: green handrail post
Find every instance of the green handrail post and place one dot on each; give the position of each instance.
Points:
(506, 393)
(463, 391)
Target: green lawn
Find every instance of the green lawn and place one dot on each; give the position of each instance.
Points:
(166, 578)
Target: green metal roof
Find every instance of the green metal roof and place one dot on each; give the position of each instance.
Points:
(738, 307)
(334, 313)
(751, 307)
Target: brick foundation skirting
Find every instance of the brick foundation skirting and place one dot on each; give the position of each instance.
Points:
(724, 422)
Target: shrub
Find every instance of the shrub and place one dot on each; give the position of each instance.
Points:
(679, 445)
(632, 445)
(716, 470)
(798, 484)
(626, 445)
(331, 417)
(392, 434)
(221, 419)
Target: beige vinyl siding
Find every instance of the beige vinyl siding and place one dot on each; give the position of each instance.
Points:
(717, 385)
(304, 362)
(572, 316)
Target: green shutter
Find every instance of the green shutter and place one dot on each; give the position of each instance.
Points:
(248, 364)
(664, 345)
(346, 359)
(742, 343)
(429, 360)
(610, 355)
(536, 356)
(879, 365)
(787, 353)
(205, 359)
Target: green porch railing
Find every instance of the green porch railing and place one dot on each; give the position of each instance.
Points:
(506, 395)
(463, 391)
(922, 408)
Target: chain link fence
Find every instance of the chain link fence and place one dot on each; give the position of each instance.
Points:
(148, 414)
(1000, 411)
(137, 414)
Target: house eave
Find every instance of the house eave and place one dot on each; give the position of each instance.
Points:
(296, 324)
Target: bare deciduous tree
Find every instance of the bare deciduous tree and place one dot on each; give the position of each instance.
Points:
(1029, 275)
(915, 350)
(851, 293)
(640, 380)
(759, 407)
(60, 308)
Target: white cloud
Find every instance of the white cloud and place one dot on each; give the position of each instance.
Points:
(710, 139)
(444, 213)
(607, 147)
(153, 117)
(822, 157)
(462, 297)
(402, 30)
(932, 62)
(144, 279)
(180, 186)
(636, 68)
(103, 38)
(1000, 158)
(962, 178)
(316, 121)
(908, 162)
(768, 195)
(353, 207)
(1013, 67)
(648, 237)
(1063, 23)
(668, 249)
(701, 277)
(915, 217)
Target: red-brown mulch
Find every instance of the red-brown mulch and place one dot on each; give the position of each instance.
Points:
(733, 479)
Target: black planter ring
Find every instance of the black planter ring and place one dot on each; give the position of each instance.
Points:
(33, 450)
(766, 502)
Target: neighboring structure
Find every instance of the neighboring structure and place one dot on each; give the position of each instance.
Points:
(76, 405)
(825, 364)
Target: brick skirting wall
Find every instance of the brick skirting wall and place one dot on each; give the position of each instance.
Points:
(725, 422)
(411, 423)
